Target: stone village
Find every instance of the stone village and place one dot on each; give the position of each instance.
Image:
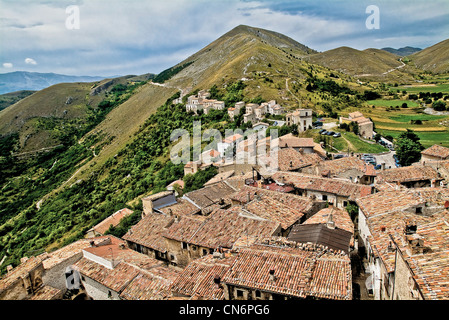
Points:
(253, 234)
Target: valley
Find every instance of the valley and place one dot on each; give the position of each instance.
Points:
(74, 153)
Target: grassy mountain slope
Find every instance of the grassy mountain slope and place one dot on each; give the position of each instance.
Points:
(433, 59)
(405, 51)
(8, 99)
(22, 80)
(369, 64)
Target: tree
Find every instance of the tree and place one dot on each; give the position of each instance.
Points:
(408, 148)
(439, 105)
(377, 137)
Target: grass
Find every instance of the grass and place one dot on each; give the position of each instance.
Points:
(392, 103)
(444, 87)
(428, 139)
(409, 117)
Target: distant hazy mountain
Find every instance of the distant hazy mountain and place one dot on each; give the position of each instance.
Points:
(22, 80)
(406, 51)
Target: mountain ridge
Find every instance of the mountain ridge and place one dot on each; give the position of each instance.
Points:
(26, 80)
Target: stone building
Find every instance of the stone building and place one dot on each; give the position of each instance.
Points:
(276, 269)
(23, 281)
(338, 192)
(112, 220)
(301, 117)
(435, 152)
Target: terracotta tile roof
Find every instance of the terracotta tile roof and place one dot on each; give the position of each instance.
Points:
(288, 159)
(117, 251)
(113, 219)
(407, 174)
(197, 279)
(54, 258)
(115, 279)
(238, 180)
(437, 151)
(339, 166)
(181, 208)
(361, 120)
(219, 177)
(20, 271)
(47, 293)
(209, 195)
(393, 224)
(148, 231)
(290, 141)
(340, 217)
(356, 114)
(315, 183)
(232, 138)
(221, 228)
(299, 270)
(274, 210)
(150, 285)
(302, 204)
(396, 200)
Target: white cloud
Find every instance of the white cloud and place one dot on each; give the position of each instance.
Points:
(30, 61)
(8, 65)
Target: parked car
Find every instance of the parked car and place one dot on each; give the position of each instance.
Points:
(337, 135)
(324, 133)
(338, 156)
(330, 133)
(322, 130)
(378, 167)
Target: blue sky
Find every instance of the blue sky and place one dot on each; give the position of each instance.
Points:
(140, 36)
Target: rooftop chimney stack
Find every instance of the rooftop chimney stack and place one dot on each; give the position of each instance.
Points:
(330, 222)
(272, 276)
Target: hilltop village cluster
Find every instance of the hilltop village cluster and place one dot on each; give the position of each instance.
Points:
(251, 234)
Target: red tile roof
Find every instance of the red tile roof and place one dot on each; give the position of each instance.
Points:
(437, 151)
(113, 220)
(314, 183)
(198, 278)
(221, 228)
(407, 174)
(299, 271)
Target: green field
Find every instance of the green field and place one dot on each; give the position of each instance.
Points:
(428, 139)
(392, 103)
(409, 117)
(424, 88)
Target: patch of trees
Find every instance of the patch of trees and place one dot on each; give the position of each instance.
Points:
(408, 148)
(330, 86)
(170, 72)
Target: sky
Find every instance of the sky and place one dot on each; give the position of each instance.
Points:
(121, 37)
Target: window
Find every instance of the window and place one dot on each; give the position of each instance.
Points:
(345, 203)
(204, 252)
(184, 245)
(172, 257)
(258, 294)
(418, 209)
(239, 293)
(324, 197)
(109, 294)
(194, 248)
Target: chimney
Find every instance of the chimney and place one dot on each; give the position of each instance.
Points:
(272, 276)
(330, 222)
(9, 268)
(170, 212)
(23, 260)
(248, 197)
(176, 218)
(122, 246)
(432, 183)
